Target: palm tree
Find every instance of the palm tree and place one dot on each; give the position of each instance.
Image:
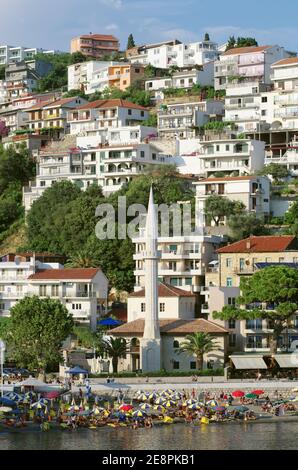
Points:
(197, 344)
(114, 348)
(82, 259)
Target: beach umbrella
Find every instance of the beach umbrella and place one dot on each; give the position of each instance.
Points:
(294, 399)
(250, 395)
(176, 396)
(238, 394)
(7, 402)
(258, 392)
(139, 414)
(42, 403)
(191, 401)
(195, 406)
(5, 409)
(159, 408)
(125, 407)
(169, 403)
(153, 396)
(160, 401)
(146, 407)
(13, 396)
(109, 322)
(212, 403)
(143, 397)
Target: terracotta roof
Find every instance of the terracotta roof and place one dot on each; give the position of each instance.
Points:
(288, 61)
(39, 106)
(228, 178)
(104, 37)
(165, 290)
(265, 244)
(60, 102)
(67, 273)
(117, 103)
(246, 50)
(171, 327)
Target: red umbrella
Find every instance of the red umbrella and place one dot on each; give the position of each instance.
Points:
(238, 394)
(258, 392)
(126, 407)
(51, 395)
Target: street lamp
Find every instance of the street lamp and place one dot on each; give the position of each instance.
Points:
(2, 350)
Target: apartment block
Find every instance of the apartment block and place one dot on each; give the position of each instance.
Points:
(246, 64)
(174, 53)
(22, 77)
(102, 114)
(82, 291)
(95, 45)
(13, 54)
(180, 120)
(252, 191)
(244, 258)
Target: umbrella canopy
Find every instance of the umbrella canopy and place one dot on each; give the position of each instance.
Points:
(77, 370)
(258, 392)
(7, 402)
(169, 403)
(153, 396)
(146, 407)
(196, 406)
(191, 401)
(143, 397)
(159, 408)
(212, 403)
(250, 395)
(126, 407)
(43, 402)
(14, 396)
(238, 394)
(5, 409)
(109, 322)
(139, 414)
(160, 401)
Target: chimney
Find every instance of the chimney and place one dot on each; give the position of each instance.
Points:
(248, 244)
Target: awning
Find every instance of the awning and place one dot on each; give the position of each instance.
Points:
(287, 360)
(248, 362)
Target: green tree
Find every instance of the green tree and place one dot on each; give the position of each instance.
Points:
(85, 336)
(207, 37)
(82, 259)
(37, 330)
(244, 224)
(151, 121)
(231, 43)
(115, 348)
(246, 42)
(276, 286)
(16, 166)
(291, 218)
(11, 208)
(197, 344)
(217, 207)
(130, 42)
(74, 93)
(278, 172)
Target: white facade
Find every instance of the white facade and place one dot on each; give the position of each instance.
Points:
(10, 54)
(252, 191)
(246, 64)
(84, 296)
(90, 76)
(184, 80)
(179, 119)
(165, 55)
(123, 135)
(3, 91)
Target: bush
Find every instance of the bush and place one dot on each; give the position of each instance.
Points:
(162, 373)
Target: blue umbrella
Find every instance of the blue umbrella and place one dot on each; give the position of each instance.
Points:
(7, 402)
(77, 370)
(109, 322)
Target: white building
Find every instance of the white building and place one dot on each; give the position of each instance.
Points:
(3, 91)
(286, 155)
(252, 191)
(181, 119)
(10, 54)
(90, 76)
(83, 291)
(246, 64)
(160, 316)
(170, 53)
(234, 157)
(102, 114)
(184, 80)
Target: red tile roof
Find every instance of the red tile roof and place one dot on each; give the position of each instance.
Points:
(99, 37)
(165, 290)
(60, 102)
(246, 50)
(171, 327)
(67, 273)
(265, 244)
(288, 61)
(116, 103)
(228, 178)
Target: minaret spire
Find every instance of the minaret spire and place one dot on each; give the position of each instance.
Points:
(151, 338)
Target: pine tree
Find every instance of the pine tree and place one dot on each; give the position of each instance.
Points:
(130, 42)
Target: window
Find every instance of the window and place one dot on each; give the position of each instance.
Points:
(232, 324)
(254, 324)
(232, 301)
(172, 266)
(217, 148)
(264, 99)
(162, 307)
(42, 291)
(229, 282)
(176, 344)
(142, 113)
(254, 342)
(232, 340)
(263, 112)
(2, 306)
(188, 281)
(227, 148)
(143, 307)
(176, 365)
(55, 291)
(93, 157)
(129, 112)
(229, 262)
(42, 183)
(193, 365)
(142, 154)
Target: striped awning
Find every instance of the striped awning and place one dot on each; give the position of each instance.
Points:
(248, 362)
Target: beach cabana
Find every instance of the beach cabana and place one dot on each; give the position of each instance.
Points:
(77, 371)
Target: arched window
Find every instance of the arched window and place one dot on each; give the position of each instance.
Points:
(176, 344)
